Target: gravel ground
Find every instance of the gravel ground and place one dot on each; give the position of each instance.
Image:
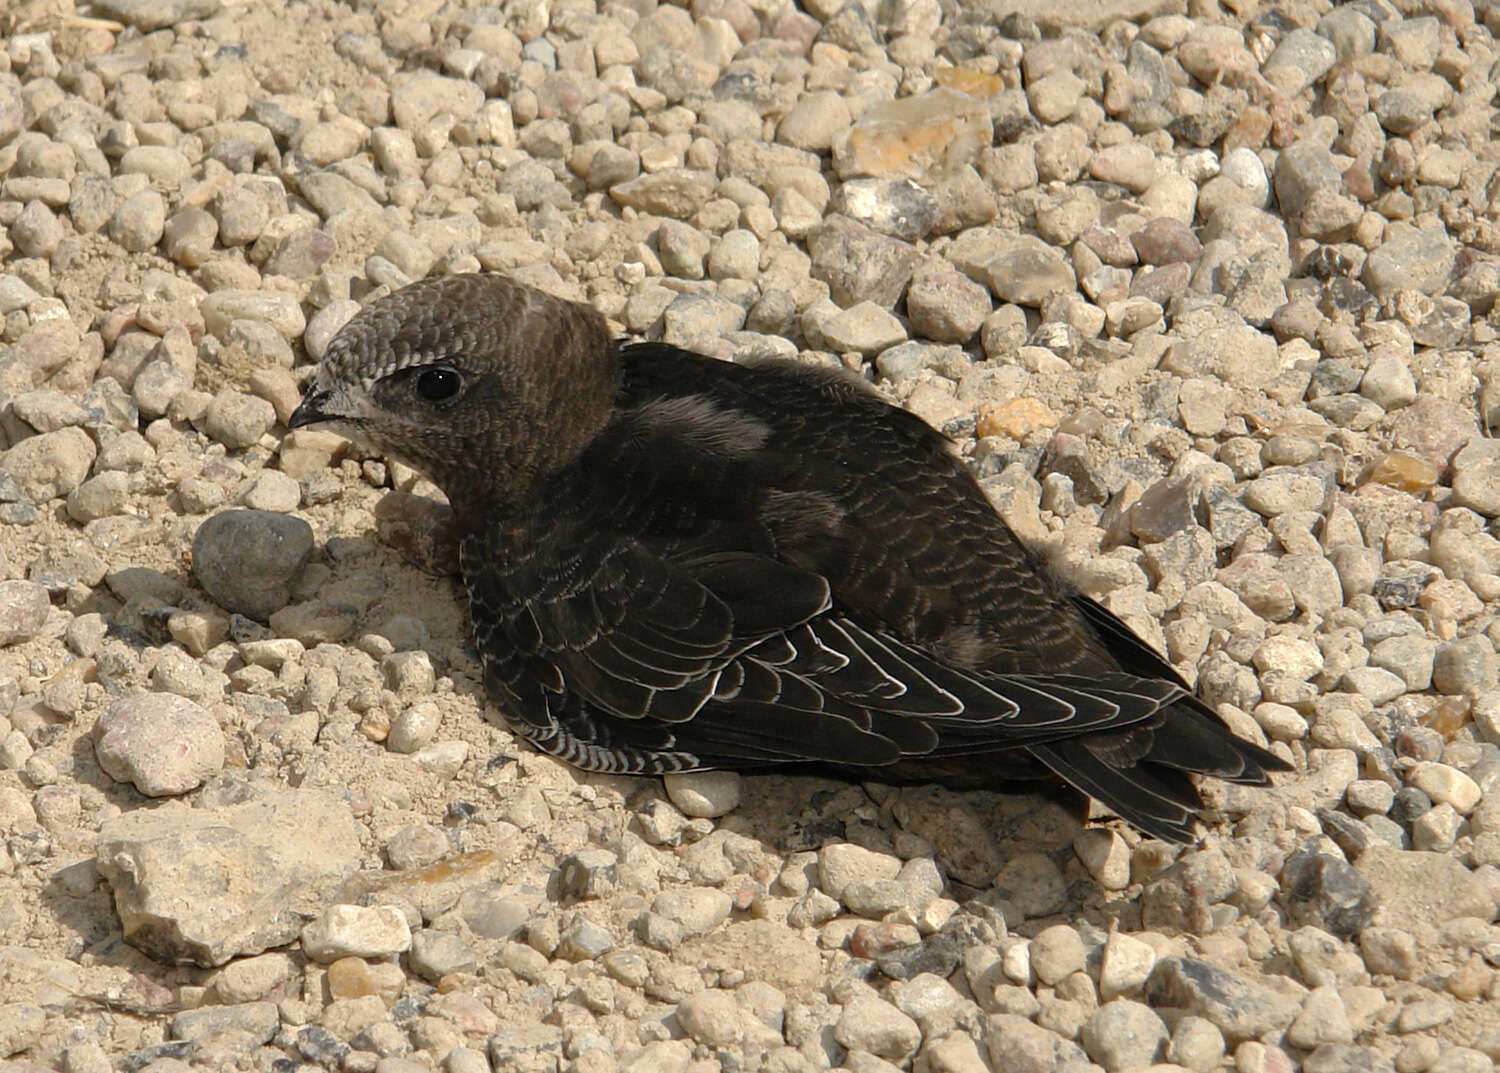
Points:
(1207, 297)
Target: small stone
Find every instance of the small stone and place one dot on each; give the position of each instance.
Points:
(1467, 666)
(436, 954)
(1389, 952)
(1240, 1008)
(1056, 953)
(139, 222)
(865, 328)
(706, 794)
(238, 420)
(1418, 260)
(251, 979)
(272, 490)
(23, 611)
(163, 744)
(1323, 1019)
(1325, 890)
(1446, 785)
(1123, 1035)
(1026, 271)
(1164, 242)
(871, 1024)
(921, 137)
(843, 863)
(699, 910)
(247, 561)
(52, 464)
(1106, 856)
(896, 207)
(711, 1018)
(203, 885)
(946, 306)
(860, 264)
(814, 121)
(1476, 486)
(356, 931)
(1388, 382)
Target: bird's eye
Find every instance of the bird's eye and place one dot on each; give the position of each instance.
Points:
(437, 384)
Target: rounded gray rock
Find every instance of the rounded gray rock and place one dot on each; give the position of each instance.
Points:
(247, 560)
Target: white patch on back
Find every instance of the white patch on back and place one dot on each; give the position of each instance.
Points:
(698, 421)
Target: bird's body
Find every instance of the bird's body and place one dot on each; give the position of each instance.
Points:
(677, 563)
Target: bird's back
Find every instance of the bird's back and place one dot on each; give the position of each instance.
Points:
(907, 538)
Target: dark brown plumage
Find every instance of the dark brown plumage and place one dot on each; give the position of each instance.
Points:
(676, 563)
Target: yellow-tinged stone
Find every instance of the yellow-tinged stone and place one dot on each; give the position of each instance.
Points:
(1448, 716)
(1016, 418)
(353, 977)
(967, 80)
(376, 725)
(922, 138)
(1402, 470)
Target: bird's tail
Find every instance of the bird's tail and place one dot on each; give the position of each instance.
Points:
(1143, 772)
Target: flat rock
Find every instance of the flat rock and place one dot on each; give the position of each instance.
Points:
(148, 15)
(200, 886)
(1241, 1008)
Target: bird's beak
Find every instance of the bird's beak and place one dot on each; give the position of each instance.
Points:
(311, 409)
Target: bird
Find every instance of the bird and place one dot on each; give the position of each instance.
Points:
(677, 563)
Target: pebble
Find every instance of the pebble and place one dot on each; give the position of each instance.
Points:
(161, 744)
(1123, 1035)
(50, 465)
(705, 794)
(23, 611)
(248, 560)
(356, 931)
(238, 420)
(1056, 953)
(874, 1025)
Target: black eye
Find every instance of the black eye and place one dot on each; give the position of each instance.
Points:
(437, 384)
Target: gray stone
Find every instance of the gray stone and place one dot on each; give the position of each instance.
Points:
(148, 15)
(860, 264)
(1351, 31)
(1302, 169)
(1324, 890)
(1026, 271)
(1418, 260)
(1239, 1007)
(247, 1022)
(1302, 58)
(896, 207)
(1466, 666)
(248, 560)
(436, 954)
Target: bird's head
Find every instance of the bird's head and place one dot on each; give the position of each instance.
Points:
(482, 383)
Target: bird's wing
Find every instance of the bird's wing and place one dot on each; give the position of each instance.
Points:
(652, 586)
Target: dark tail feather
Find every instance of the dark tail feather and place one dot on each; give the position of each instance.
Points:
(1142, 773)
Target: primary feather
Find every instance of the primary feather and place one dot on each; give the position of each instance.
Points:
(677, 563)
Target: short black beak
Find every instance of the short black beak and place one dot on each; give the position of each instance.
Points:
(310, 410)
